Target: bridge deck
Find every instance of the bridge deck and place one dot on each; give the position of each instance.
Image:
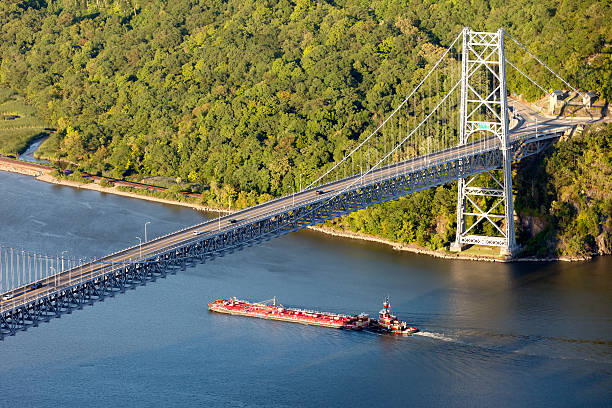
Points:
(525, 132)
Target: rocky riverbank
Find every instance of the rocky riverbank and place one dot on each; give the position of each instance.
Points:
(439, 254)
(17, 166)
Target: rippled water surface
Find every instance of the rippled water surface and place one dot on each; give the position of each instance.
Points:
(522, 334)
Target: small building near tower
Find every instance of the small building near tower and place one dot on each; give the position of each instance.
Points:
(556, 97)
(588, 99)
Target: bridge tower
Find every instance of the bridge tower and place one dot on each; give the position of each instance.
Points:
(484, 205)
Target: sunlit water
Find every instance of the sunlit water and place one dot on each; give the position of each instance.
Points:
(522, 334)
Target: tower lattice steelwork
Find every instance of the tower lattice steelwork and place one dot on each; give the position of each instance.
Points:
(484, 207)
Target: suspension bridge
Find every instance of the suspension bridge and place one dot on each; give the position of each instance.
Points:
(456, 124)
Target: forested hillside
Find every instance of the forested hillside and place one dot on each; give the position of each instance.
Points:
(564, 198)
(244, 96)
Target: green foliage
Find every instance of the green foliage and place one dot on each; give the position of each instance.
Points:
(167, 194)
(426, 218)
(570, 192)
(19, 125)
(250, 93)
(78, 176)
(104, 182)
(573, 37)
(246, 96)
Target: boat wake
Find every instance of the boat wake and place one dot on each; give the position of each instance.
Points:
(534, 345)
(437, 336)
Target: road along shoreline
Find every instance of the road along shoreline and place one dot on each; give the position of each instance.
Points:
(43, 173)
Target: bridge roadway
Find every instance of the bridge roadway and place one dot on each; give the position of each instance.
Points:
(526, 129)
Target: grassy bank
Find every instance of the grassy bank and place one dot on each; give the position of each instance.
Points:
(19, 124)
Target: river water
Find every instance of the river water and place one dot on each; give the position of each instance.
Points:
(521, 334)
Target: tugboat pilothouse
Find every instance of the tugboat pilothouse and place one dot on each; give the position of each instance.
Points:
(388, 322)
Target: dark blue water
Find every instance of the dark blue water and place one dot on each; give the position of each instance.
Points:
(522, 334)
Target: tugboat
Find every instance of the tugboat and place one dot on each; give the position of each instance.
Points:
(388, 322)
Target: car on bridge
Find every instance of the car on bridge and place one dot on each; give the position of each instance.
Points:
(197, 232)
(36, 285)
(7, 296)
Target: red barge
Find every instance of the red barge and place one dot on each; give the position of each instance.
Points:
(387, 322)
(272, 312)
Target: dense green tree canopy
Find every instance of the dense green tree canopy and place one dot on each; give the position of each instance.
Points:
(251, 93)
(245, 95)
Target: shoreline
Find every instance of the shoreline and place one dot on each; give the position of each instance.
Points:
(43, 173)
(396, 246)
(48, 178)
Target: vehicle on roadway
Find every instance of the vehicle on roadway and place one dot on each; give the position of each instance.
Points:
(197, 232)
(36, 285)
(7, 296)
(233, 221)
(319, 192)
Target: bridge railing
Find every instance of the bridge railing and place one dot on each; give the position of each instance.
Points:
(371, 177)
(438, 159)
(376, 176)
(55, 288)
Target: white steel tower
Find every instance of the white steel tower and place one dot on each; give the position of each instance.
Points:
(484, 206)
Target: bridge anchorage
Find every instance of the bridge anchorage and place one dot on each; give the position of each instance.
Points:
(454, 125)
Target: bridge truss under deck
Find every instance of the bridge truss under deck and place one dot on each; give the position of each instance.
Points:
(112, 278)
